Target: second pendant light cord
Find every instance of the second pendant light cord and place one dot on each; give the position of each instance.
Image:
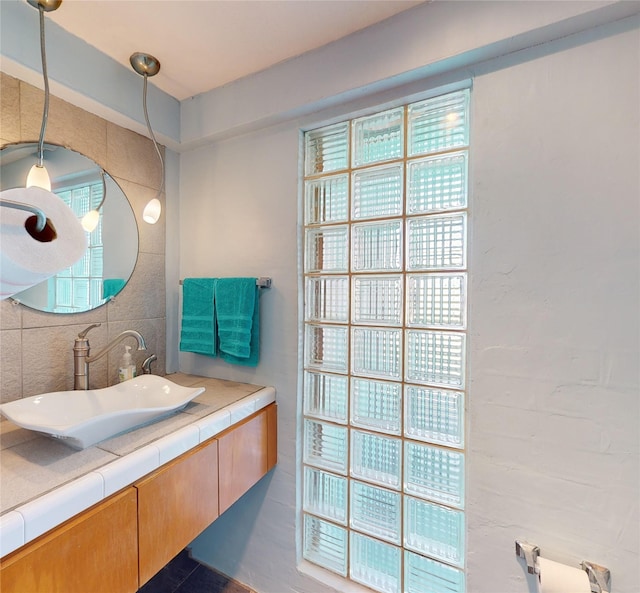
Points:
(155, 143)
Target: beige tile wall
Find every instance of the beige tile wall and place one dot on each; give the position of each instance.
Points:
(36, 348)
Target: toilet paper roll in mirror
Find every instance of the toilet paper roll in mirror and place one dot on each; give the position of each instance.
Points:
(554, 577)
(26, 261)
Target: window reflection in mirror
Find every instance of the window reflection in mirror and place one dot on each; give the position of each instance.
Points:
(113, 245)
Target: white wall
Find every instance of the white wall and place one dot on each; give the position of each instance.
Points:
(554, 323)
(554, 414)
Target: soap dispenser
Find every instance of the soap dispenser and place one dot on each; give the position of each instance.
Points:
(127, 369)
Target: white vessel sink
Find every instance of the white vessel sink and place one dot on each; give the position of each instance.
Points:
(82, 418)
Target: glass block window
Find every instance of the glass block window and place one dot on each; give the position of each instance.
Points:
(80, 286)
(385, 326)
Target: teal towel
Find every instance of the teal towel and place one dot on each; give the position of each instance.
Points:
(198, 316)
(111, 287)
(238, 318)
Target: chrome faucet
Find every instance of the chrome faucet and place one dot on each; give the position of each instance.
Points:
(146, 365)
(81, 349)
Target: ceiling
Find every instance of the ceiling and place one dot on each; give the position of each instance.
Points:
(204, 44)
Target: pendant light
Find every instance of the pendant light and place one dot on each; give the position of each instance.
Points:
(38, 175)
(146, 65)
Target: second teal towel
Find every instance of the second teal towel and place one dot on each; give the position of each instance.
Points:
(198, 316)
(238, 317)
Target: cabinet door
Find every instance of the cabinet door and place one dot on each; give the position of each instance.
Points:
(175, 504)
(246, 452)
(96, 551)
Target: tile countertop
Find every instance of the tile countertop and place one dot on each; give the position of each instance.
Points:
(43, 482)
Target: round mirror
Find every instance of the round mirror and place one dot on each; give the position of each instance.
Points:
(113, 244)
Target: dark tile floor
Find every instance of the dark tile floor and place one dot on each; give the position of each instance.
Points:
(185, 575)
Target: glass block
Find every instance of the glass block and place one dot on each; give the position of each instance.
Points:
(434, 473)
(375, 564)
(327, 200)
(437, 300)
(438, 124)
(376, 458)
(326, 149)
(95, 237)
(80, 200)
(377, 300)
(378, 137)
(325, 495)
(376, 405)
(326, 347)
(437, 242)
(81, 293)
(434, 415)
(435, 358)
(434, 530)
(95, 291)
(327, 299)
(437, 183)
(325, 544)
(97, 261)
(325, 445)
(376, 352)
(377, 247)
(423, 575)
(326, 249)
(325, 396)
(64, 293)
(376, 511)
(377, 192)
(82, 266)
(96, 195)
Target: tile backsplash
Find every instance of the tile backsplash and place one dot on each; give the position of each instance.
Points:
(36, 348)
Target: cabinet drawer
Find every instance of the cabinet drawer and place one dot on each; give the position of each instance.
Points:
(96, 551)
(246, 453)
(175, 504)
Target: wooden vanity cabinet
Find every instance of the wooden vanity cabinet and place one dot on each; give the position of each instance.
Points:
(96, 551)
(175, 504)
(118, 545)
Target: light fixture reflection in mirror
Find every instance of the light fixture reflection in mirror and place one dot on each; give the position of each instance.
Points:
(113, 244)
(91, 219)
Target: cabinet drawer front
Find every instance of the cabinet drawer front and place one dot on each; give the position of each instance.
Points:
(96, 551)
(246, 453)
(175, 504)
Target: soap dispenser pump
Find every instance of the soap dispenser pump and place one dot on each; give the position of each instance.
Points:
(127, 369)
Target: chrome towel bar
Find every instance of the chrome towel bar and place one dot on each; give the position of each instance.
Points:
(262, 282)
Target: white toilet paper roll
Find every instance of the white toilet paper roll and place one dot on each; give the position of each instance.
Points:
(560, 578)
(25, 261)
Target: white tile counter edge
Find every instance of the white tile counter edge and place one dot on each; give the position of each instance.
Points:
(30, 520)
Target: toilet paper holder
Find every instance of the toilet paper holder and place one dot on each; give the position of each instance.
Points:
(599, 576)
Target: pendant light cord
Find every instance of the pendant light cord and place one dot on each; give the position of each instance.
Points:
(155, 143)
(45, 113)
